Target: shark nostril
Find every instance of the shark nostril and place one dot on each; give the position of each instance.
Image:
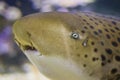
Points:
(27, 47)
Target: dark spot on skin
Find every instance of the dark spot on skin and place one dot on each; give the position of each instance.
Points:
(91, 27)
(102, 64)
(109, 25)
(88, 23)
(96, 23)
(87, 15)
(113, 71)
(113, 22)
(117, 28)
(83, 31)
(117, 58)
(112, 30)
(109, 61)
(86, 56)
(100, 31)
(115, 44)
(102, 43)
(103, 57)
(84, 20)
(78, 55)
(94, 59)
(95, 18)
(92, 43)
(79, 15)
(95, 50)
(97, 58)
(108, 51)
(28, 34)
(100, 21)
(108, 36)
(104, 25)
(84, 65)
(91, 19)
(85, 27)
(106, 30)
(118, 40)
(96, 33)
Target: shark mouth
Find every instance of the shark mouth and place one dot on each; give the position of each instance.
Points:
(26, 47)
(28, 50)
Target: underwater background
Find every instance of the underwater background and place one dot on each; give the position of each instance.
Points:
(13, 63)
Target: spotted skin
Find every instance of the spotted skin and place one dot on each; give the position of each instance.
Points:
(107, 45)
(92, 41)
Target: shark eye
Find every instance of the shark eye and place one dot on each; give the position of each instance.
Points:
(75, 35)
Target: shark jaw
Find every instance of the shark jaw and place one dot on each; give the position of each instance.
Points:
(56, 68)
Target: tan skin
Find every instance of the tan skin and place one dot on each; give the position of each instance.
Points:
(61, 37)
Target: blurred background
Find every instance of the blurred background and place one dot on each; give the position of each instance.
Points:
(13, 63)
